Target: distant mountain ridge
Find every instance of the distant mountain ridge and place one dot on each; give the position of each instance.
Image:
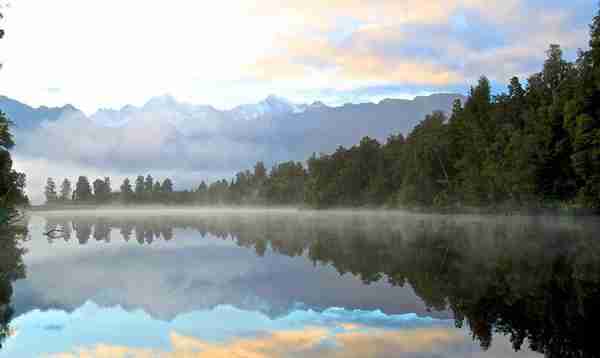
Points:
(191, 142)
(27, 117)
(273, 107)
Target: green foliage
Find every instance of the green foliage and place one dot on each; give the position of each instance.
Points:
(285, 184)
(139, 186)
(6, 138)
(167, 186)
(425, 160)
(83, 190)
(349, 177)
(102, 190)
(66, 190)
(126, 191)
(50, 191)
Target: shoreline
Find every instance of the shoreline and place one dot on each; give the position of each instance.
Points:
(494, 211)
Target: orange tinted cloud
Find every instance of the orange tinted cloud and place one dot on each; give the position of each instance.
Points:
(356, 342)
(325, 14)
(300, 57)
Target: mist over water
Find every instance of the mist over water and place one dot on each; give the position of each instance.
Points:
(221, 275)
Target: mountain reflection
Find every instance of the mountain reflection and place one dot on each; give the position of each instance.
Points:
(535, 280)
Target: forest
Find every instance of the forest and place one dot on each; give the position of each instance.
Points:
(535, 145)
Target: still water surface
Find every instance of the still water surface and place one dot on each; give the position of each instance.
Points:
(199, 283)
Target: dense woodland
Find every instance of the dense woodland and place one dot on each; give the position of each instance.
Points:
(536, 145)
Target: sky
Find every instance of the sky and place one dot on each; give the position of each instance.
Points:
(106, 54)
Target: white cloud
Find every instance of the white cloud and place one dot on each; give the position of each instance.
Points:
(111, 53)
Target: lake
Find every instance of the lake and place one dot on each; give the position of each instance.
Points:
(290, 283)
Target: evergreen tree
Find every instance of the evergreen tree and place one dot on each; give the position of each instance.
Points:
(167, 186)
(148, 188)
(285, 184)
(12, 188)
(260, 173)
(6, 138)
(83, 190)
(126, 191)
(548, 94)
(99, 190)
(202, 193)
(139, 188)
(157, 194)
(50, 191)
(425, 156)
(65, 190)
(149, 184)
(107, 187)
(583, 121)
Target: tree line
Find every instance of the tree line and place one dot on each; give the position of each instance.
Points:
(144, 190)
(535, 145)
(283, 185)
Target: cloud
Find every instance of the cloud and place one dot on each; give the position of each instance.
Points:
(307, 342)
(278, 344)
(229, 53)
(352, 63)
(430, 44)
(222, 331)
(355, 342)
(325, 15)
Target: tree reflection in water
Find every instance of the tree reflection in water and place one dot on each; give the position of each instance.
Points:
(536, 280)
(12, 268)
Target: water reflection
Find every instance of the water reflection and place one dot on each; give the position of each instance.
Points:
(535, 280)
(11, 269)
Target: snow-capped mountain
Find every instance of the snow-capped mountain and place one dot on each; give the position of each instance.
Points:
(272, 106)
(169, 109)
(272, 112)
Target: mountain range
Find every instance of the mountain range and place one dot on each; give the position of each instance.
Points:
(189, 142)
(391, 115)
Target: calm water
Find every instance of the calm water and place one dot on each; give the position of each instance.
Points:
(299, 284)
